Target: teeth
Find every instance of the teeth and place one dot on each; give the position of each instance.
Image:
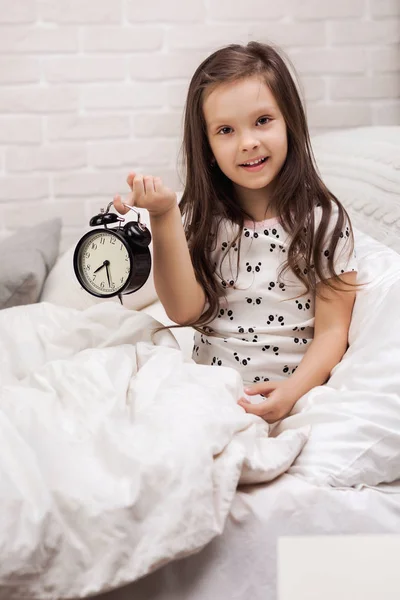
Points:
(256, 162)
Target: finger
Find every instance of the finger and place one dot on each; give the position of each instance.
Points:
(158, 184)
(261, 409)
(243, 405)
(130, 178)
(243, 400)
(138, 187)
(264, 387)
(268, 415)
(118, 205)
(148, 182)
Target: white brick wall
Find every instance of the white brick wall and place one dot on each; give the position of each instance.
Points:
(91, 90)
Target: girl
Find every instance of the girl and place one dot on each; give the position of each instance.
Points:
(263, 265)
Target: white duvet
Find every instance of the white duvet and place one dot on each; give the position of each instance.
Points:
(117, 456)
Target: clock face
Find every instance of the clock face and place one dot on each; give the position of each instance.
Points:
(103, 263)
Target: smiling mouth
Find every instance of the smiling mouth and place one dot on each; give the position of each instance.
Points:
(254, 163)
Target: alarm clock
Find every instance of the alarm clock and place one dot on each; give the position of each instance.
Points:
(111, 261)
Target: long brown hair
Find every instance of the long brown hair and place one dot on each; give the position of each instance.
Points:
(209, 195)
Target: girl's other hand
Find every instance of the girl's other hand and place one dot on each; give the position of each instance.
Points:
(147, 192)
(278, 404)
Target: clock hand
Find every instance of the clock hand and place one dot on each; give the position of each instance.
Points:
(108, 273)
(101, 266)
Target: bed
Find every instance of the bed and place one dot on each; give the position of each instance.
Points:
(242, 563)
(344, 473)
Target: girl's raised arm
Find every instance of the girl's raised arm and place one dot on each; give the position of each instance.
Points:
(175, 281)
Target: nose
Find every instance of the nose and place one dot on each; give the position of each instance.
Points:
(248, 143)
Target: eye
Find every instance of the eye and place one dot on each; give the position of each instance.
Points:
(263, 121)
(225, 130)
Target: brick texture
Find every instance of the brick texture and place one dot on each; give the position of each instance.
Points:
(75, 11)
(165, 12)
(91, 90)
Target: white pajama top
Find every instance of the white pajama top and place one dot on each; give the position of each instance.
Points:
(264, 326)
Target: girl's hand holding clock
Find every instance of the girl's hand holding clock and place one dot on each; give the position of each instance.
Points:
(147, 192)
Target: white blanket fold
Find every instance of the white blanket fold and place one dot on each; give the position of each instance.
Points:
(117, 455)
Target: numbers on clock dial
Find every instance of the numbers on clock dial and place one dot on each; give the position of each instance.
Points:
(104, 263)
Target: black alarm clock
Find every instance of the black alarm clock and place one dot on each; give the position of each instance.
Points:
(111, 261)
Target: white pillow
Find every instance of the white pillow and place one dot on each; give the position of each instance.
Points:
(362, 168)
(62, 288)
(355, 417)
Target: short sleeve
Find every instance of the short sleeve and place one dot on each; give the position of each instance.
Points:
(345, 254)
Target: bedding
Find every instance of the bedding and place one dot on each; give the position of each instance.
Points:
(118, 455)
(242, 563)
(98, 417)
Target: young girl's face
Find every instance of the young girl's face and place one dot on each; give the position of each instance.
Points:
(245, 125)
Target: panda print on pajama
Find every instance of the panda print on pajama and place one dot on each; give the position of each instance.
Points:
(276, 285)
(243, 361)
(276, 319)
(253, 269)
(272, 232)
(250, 234)
(286, 369)
(216, 361)
(242, 329)
(250, 331)
(254, 301)
(268, 347)
(301, 305)
(204, 340)
(300, 341)
(225, 245)
(224, 312)
(226, 284)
